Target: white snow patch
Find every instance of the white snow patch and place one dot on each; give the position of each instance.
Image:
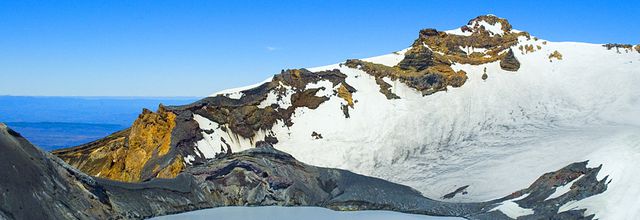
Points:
(207, 145)
(512, 209)
(235, 95)
(326, 88)
(492, 28)
(561, 190)
(272, 97)
(458, 31)
(213, 143)
(189, 159)
(470, 50)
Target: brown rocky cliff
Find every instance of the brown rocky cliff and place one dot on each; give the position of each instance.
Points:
(126, 155)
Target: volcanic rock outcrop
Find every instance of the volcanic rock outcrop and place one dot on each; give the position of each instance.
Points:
(139, 153)
(38, 185)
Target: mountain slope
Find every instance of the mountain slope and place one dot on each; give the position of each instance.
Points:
(36, 185)
(478, 105)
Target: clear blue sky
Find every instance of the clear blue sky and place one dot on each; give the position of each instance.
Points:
(194, 48)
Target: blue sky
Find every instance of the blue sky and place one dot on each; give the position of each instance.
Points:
(194, 48)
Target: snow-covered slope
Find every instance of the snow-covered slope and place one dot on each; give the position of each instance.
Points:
(495, 135)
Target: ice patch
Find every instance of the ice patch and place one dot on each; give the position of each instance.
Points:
(189, 159)
(494, 29)
(326, 88)
(272, 97)
(512, 209)
(458, 31)
(561, 190)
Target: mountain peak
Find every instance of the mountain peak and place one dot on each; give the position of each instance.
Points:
(490, 23)
(484, 24)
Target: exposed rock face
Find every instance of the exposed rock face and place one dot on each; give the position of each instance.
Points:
(265, 176)
(557, 55)
(420, 57)
(156, 143)
(428, 81)
(625, 47)
(451, 47)
(38, 185)
(509, 62)
(582, 183)
(427, 65)
(139, 153)
(244, 117)
(484, 74)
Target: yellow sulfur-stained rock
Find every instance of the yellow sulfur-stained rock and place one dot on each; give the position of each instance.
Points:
(344, 93)
(172, 170)
(124, 155)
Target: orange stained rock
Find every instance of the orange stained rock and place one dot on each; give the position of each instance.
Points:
(344, 93)
(172, 170)
(556, 55)
(122, 156)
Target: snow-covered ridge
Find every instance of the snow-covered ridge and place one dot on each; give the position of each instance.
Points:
(496, 135)
(236, 93)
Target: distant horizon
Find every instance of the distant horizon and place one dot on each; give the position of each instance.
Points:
(192, 49)
(106, 97)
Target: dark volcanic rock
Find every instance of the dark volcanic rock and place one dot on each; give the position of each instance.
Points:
(509, 62)
(156, 197)
(38, 185)
(460, 190)
(419, 60)
(538, 194)
(266, 176)
(35, 185)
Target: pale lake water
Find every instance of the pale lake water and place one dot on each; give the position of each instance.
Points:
(294, 213)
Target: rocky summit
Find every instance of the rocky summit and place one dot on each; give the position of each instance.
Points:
(483, 121)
